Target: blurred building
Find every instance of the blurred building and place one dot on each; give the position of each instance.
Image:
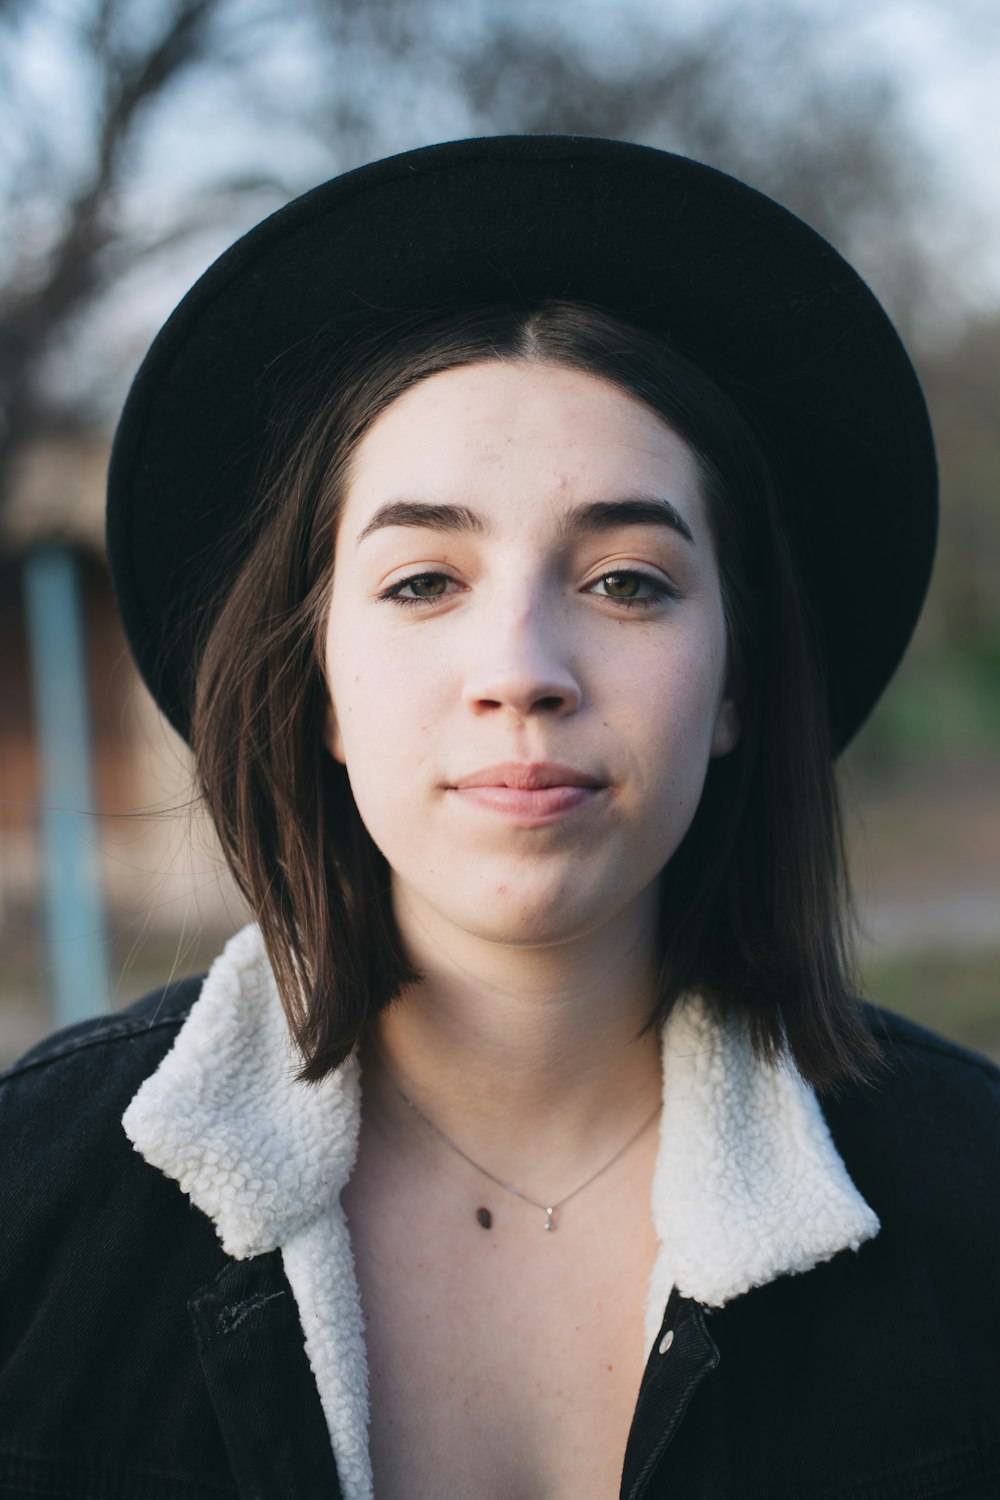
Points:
(158, 871)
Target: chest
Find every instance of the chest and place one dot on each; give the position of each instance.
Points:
(503, 1362)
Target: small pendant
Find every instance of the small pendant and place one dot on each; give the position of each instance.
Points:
(484, 1218)
(549, 1221)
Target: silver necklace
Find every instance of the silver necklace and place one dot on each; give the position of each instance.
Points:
(483, 1215)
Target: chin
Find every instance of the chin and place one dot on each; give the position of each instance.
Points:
(519, 916)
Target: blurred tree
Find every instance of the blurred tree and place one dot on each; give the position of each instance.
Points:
(758, 90)
(136, 129)
(140, 136)
(62, 190)
(963, 389)
(944, 703)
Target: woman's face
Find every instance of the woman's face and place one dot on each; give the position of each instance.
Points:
(526, 651)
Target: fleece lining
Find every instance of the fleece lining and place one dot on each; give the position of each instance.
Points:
(748, 1184)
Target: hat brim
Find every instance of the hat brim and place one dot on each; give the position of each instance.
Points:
(740, 285)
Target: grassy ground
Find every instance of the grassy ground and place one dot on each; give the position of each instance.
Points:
(924, 841)
(955, 992)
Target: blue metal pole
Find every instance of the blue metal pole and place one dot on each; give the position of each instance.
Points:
(74, 897)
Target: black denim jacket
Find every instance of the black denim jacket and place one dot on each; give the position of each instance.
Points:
(139, 1362)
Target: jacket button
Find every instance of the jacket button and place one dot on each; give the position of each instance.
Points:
(666, 1341)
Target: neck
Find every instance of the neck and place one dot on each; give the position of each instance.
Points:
(530, 1057)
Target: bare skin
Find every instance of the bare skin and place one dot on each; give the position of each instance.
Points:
(528, 1345)
(503, 1362)
(551, 620)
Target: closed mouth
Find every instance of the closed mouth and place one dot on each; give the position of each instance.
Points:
(527, 777)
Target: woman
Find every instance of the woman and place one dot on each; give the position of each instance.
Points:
(517, 529)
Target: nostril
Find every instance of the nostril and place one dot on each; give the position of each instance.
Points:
(525, 691)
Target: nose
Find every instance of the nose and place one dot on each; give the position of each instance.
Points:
(522, 665)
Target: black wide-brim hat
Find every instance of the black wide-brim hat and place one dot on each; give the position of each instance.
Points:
(731, 279)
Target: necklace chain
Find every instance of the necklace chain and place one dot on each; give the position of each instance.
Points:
(549, 1209)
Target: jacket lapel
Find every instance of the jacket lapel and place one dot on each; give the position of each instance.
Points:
(748, 1186)
(260, 1384)
(266, 1159)
(683, 1354)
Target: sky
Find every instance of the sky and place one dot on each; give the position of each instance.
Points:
(946, 57)
(944, 53)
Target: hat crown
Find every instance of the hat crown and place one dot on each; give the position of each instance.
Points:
(731, 279)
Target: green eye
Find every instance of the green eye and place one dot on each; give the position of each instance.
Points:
(629, 587)
(420, 588)
(427, 585)
(622, 585)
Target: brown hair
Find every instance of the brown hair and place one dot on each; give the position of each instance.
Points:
(755, 900)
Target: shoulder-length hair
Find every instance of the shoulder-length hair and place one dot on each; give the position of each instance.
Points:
(754, 903)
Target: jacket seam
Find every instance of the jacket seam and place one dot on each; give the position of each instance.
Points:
(232, 1317)
(954, 1465)
(896, 1031)
(984, 1066)
(23, 1467)
(115, 1032)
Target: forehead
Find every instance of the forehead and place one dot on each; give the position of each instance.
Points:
(501, 431)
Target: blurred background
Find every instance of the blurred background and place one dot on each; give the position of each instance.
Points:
(140, 137)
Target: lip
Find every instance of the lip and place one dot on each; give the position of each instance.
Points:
(530, 795)
(527, 776)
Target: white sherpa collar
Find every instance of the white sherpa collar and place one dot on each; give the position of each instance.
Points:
(748, 1184)
(261, 1155)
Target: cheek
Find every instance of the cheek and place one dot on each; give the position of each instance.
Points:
(680, 713)
(381, 700)
(684, 688)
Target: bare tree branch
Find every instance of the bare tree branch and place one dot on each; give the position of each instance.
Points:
(31, 320)
(748, 91)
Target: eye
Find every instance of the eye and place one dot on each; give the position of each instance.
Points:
(628, 587)
(419, 588)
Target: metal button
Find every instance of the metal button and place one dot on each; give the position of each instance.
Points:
(666, 1340)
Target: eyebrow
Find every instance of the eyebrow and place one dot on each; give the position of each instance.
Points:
(639, 510)
(423, 513)
(583, 520)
